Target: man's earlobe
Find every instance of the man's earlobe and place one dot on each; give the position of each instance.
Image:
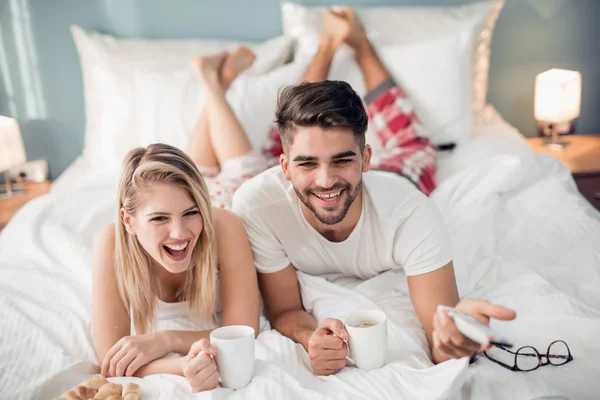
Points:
(285, 166)
(367, 153)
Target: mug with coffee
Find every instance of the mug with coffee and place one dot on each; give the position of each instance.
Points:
(235, 354)
(367, 331)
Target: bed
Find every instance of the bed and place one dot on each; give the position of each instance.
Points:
(513, 244)
(522, 236)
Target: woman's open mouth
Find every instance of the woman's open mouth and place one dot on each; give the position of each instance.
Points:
(177, 251)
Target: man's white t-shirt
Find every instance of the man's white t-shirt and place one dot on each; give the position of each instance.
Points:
(399, 227)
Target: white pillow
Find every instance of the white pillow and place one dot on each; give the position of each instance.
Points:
(142, 91)
(254, 99)
(405, 24)
(171, 103)
(435, 74)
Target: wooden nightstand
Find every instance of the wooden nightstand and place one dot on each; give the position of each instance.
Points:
(582, 157)
(9, 206)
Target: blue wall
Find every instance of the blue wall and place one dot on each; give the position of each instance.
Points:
(42, 84)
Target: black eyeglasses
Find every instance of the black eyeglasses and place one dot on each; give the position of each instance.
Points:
(527, 358)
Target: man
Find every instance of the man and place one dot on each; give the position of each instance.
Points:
(322, 212)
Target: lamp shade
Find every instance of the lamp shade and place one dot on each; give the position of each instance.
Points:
(12, 151)
(557, 95)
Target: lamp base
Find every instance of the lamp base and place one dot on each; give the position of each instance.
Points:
(552, 140)
(556, 145)
(544, 128)
(9, 190)
(10, 193)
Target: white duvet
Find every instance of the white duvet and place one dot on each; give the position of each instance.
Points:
(522, 236)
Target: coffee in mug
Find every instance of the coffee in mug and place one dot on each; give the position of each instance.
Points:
(364, 324)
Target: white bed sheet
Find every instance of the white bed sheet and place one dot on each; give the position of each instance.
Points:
(491, 136)
(522, 236)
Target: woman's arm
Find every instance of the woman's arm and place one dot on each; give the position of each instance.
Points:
(238, 280)
(198, 367)
(110, 318)
(180, 341)
(118, 352)
(173, 366)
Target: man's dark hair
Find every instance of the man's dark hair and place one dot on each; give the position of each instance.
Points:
(328, 104)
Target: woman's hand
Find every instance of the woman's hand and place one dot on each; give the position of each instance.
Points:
(132, 352)
(200, 368)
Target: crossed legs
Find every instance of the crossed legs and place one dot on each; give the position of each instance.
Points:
(344, 27)
(218, 135)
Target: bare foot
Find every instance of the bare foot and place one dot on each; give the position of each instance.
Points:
(208, 68)
(356, 35)
(335, 28)
(236, 62)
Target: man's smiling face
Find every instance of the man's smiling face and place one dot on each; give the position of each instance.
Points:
(325, 167)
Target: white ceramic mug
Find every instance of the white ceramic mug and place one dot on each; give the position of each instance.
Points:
(368, 345)
(235, 354)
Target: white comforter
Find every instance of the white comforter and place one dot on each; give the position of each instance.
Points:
(522, 237)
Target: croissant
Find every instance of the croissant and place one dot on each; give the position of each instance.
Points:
(95, 382)
(132, 391)
(107, 390)
(79, 392)
(98, 388)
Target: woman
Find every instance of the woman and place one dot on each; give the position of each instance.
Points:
(169, 253)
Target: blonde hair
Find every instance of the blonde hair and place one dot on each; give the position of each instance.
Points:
(138, 285)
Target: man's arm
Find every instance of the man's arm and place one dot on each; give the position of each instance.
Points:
(283, 305)
(429, 290)
(422, 245)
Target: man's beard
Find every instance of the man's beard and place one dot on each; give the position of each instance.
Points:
(331, 219)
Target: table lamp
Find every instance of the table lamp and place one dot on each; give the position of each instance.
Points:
(557, 102)
(12, 152)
